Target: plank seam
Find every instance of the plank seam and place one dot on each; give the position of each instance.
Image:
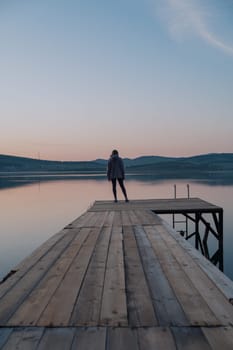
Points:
(38, 259)
(70, 264)
(23, 298)
(84, 275)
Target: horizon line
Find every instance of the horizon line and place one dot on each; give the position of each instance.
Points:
(133, 158)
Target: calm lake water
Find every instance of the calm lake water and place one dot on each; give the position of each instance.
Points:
(32, 212)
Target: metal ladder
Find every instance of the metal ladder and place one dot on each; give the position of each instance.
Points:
(174, 221)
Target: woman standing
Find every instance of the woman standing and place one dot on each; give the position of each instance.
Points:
(116, 172)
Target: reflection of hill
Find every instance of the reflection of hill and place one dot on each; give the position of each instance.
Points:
(22, 180)
(17, 180)
(216, 166)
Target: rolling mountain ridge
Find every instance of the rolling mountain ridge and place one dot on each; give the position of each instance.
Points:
(214, 162)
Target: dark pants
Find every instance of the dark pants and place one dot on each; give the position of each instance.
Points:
(121, 183)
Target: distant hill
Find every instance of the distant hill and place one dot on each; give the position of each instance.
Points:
(201, 162)
(13, 164)
(214, 164)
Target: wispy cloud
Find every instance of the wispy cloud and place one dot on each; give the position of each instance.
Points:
(189, 17)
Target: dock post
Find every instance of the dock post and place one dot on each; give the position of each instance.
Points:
(197, 217)
(221, 264)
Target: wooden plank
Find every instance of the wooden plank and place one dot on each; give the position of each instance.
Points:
(109, 218)
(147, 217)
(137, 216)
(72, 289)
(216, 301)
(57, 338)
(159, 205)
(152, 338)
(31, 309)
(85, 219)
(79, 219)
(92, 338)
(222, 281)
(167, 307)
(4, 335)
(117, 219)
(95, 219)
(100, 219)
(122, 339)
(190, 338)
(14, 298)
(60, 307)
(139, 304)
(114, 309)
(195, 308)
(219, 337)
(134, 218)
(88, 305)
(22, 268)
(24, 339)
(125, 218)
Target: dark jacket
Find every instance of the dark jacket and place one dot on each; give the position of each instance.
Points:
(115, 168)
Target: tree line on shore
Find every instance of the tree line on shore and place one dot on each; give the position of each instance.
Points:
(214, 164)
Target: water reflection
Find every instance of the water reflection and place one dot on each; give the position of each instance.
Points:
(23, 179)
(8, 180)
(33, 209)
(30, 214)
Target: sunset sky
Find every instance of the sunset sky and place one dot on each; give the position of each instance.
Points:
(148, 77)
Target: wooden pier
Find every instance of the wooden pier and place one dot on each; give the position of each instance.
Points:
(119, 277)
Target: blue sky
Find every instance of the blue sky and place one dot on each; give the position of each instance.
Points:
(79, 78)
